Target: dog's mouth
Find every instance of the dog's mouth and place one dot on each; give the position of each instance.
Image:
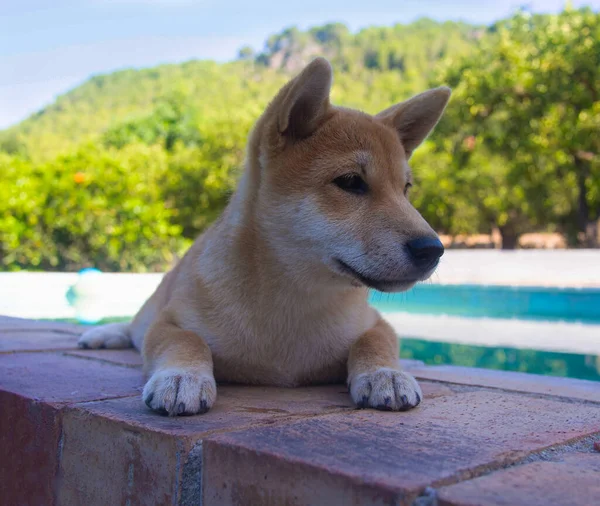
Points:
(382, 285)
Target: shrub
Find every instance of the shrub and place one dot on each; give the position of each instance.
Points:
(91, 208)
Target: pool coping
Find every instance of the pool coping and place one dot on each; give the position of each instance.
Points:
(77, 433)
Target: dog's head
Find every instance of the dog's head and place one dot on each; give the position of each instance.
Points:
(333, 189)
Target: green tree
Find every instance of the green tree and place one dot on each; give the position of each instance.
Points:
(567, 74)
(172, 121)
(246, 53)
(522, 116)
(21, 199)
(200, 179)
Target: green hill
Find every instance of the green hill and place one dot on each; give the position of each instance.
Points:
(373, 67)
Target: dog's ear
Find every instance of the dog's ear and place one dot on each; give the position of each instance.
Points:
(305, 102)
(415, 118)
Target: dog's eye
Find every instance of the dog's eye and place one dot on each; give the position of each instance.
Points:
(351, 183)
(407, 186)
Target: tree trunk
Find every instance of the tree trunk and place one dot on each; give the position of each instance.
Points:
(592, 234)
(587, 227)
(510, 238)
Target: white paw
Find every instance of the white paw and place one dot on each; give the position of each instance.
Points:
(113, 335)
(180, 392)
(386, 389)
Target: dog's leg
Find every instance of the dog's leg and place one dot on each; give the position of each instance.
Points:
(112, 335)
(374, 376)
(181, 371)
(123, 335)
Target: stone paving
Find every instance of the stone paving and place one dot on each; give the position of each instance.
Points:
(73, 431)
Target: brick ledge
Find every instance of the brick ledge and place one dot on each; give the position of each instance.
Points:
(73, 430)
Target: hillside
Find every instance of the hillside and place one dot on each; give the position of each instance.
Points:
(375, 66)
(104, 101)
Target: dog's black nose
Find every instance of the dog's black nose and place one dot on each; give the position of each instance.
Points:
(425, 251)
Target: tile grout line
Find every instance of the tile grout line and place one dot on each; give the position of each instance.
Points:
(562, 398)
(41, 330)
(70, 353)
(574, 445)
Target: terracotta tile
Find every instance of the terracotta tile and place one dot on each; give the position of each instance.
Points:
(157, 459)
(516, 381)
(36, 340)
(77, 419)
(377, 456)
(103, 463)
(25, 324)
(129, 357)
(236, 406)
(409, 363)
(133, 358)
(56, 378)
(29, 451)
(33, 387)
(573, 481)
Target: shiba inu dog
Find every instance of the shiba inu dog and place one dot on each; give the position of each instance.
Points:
(275, 291)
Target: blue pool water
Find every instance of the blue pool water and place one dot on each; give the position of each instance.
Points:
(529, 303)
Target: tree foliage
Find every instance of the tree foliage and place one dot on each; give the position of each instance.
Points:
(101, 208)
(124, 171)
(522, 127)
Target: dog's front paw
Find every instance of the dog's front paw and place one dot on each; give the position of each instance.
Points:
(176, 392)
(386, 389)
(113, 335)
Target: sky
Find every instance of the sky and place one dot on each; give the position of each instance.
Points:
(50, 46)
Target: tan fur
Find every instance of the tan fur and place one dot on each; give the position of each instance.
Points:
(260, 298)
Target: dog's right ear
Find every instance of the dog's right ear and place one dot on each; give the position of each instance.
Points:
(305, 101)
(416, 117)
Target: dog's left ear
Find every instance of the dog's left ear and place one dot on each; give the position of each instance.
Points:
(306, 100)
(415, 118)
